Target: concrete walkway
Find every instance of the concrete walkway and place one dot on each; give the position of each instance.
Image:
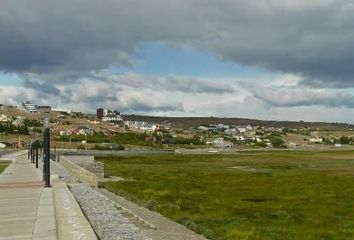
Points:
(28, 211)
(26, 208)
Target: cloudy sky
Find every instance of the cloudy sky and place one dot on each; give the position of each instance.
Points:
(266, 59)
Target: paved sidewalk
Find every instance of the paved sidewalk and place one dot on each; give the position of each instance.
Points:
(22, 197)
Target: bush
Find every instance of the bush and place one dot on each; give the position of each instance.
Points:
(187, 141)
(81, 146)
(32, 123)
(9, 128)
(277, 142)
(152, 205)
(107, 147)
(37, 130)
(261, 144)
(190, 224)
(66, 123)
(344, 140)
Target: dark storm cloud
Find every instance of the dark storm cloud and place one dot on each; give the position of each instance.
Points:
(99, 99)
(135, 105)
(89, 94)
(42, 88)
(194, 85)
(41, 36)
(185, 84)
(314, 39)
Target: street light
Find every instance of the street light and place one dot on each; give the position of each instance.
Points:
(46, 151)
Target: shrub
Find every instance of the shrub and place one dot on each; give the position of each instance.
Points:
(152, 205)
(344, 140)
(277, 142)
(198, 228)
(106, 147)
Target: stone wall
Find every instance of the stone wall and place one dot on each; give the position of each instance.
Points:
(79, 172)
(96, 168)
(87, 162)
(78, 159)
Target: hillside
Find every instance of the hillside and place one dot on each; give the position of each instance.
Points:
(186, 122)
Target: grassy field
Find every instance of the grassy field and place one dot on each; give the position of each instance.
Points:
(255, 195)
(3, 166)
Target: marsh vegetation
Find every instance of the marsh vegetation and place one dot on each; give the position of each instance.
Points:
(253, 195)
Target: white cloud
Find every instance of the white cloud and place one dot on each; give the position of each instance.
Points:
(281, 100)
(290, 96)
(130, 92)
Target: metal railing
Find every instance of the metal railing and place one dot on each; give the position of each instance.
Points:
(34, 150)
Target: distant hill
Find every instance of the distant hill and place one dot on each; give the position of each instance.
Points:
(187, 122)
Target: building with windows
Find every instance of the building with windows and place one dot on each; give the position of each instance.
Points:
(29, 107)
(44, 109)
(101, 112)
(107, 115)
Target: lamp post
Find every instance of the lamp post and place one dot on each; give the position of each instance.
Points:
(36, 149)
(32, 152)
(37, 146)
(29, 151)
(46, 150)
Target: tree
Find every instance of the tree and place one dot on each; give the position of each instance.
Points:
(344, 140)
(277, 142)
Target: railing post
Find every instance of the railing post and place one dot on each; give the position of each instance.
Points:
(43, 157)
(46, 148)
(32, 152)
(29, 152)
(37, 146)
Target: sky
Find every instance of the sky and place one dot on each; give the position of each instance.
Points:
(264, 59)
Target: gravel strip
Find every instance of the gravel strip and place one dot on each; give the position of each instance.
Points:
(166, 229)
(58, 169)
(103, 215)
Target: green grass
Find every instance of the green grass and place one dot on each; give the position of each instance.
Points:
(3, 166)
(269, 195)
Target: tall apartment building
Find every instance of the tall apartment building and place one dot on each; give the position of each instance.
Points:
(107, 115)
(29, 107)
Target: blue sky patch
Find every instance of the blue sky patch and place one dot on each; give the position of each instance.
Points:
(162, 59)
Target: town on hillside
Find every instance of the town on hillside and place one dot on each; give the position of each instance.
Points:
(108, 129)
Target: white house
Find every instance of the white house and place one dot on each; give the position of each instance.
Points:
(230, 131)
(117, 118)
(203, 128)
(242, 129)
(219, 142)
(315, 140)
(239, 138)
(221, 126)
(5, 118)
